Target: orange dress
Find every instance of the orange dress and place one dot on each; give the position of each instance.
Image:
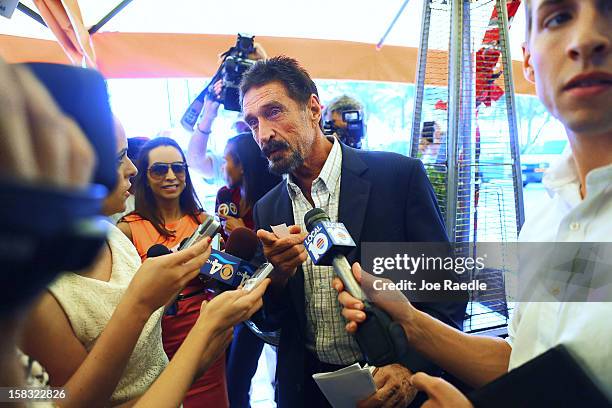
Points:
(210, 390)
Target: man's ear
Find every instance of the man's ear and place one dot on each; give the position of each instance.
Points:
(315, 109)
(527, 67)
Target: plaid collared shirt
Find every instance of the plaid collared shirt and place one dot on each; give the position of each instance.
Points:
(325, 326)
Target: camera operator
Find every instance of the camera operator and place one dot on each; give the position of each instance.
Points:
(344, 118)
(198, 155)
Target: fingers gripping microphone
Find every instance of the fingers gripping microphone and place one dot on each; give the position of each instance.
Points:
(378, 336)
(160, 250)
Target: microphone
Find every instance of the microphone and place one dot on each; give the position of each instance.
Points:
(224, 203)
(160, 250)
(327, 243)
(157, 250)
(209, 228)
(242, 242)
(231, 268)
(381, 340)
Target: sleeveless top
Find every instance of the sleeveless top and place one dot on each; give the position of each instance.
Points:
(210, 390)
(89, 304)
(144, 234)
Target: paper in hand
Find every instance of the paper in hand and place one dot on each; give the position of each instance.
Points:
(344, 388)
(281, 231)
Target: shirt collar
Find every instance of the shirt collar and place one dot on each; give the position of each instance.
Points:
(562, 178)
(330, 173)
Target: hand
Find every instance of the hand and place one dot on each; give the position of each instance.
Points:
(38, 144)
(394, 388)
(160, 279)
(229, 308)
(441, 394)
(393, 302)
(231, 223)
(219, 339)
(286, 254)
(210, 109)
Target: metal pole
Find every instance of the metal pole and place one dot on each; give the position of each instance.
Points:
(420, 79)
(502, 11)
(399, 13)
(464, 139)
(454, 113)
(94, 29)
(30, 13)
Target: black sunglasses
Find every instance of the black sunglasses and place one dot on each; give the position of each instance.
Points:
(159, 170)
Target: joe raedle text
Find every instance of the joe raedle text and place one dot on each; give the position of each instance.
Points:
(446, 285)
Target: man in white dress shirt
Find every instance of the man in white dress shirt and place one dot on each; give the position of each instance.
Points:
(568, 55)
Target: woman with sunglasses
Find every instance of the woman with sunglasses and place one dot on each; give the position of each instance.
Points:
(168, 211)
(248, 179)
(97, 331)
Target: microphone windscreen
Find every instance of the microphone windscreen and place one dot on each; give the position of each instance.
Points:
(183, 242)
(224, 204)
(314, 216)
(242, 243)
(157, 250)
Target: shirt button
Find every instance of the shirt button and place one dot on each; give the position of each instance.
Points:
(575, 226)
(555, 291)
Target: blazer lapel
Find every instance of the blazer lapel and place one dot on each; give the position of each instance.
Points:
(354, 196)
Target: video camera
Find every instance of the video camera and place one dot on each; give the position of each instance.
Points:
(235, 63)
(353, 133)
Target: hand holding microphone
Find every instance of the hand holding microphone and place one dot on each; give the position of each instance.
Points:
(381, 340)
(160, 279)
(393, 302)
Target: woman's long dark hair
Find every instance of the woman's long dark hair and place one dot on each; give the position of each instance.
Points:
(256, 179)
(146, 206)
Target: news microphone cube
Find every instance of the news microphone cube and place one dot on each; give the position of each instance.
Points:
(227, 269)
(326, 240)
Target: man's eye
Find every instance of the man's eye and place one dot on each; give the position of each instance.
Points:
(556, 20)
(274, 112)
(252, 123)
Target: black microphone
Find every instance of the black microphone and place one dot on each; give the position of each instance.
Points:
(381, 340)
(157, 250)
(224, 204)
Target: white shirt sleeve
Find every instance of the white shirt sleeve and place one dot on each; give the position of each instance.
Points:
(514, 323)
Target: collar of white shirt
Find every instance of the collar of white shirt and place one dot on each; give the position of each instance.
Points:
(562, 179)
(330, 173)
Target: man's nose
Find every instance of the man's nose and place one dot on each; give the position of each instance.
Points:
(591, 36)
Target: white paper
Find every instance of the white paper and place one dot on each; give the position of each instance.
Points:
(344, 388)
(281, 230)
(7, 7)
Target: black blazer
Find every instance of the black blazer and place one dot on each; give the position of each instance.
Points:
(384, 197)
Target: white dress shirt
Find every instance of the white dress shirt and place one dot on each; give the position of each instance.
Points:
(584, 328)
